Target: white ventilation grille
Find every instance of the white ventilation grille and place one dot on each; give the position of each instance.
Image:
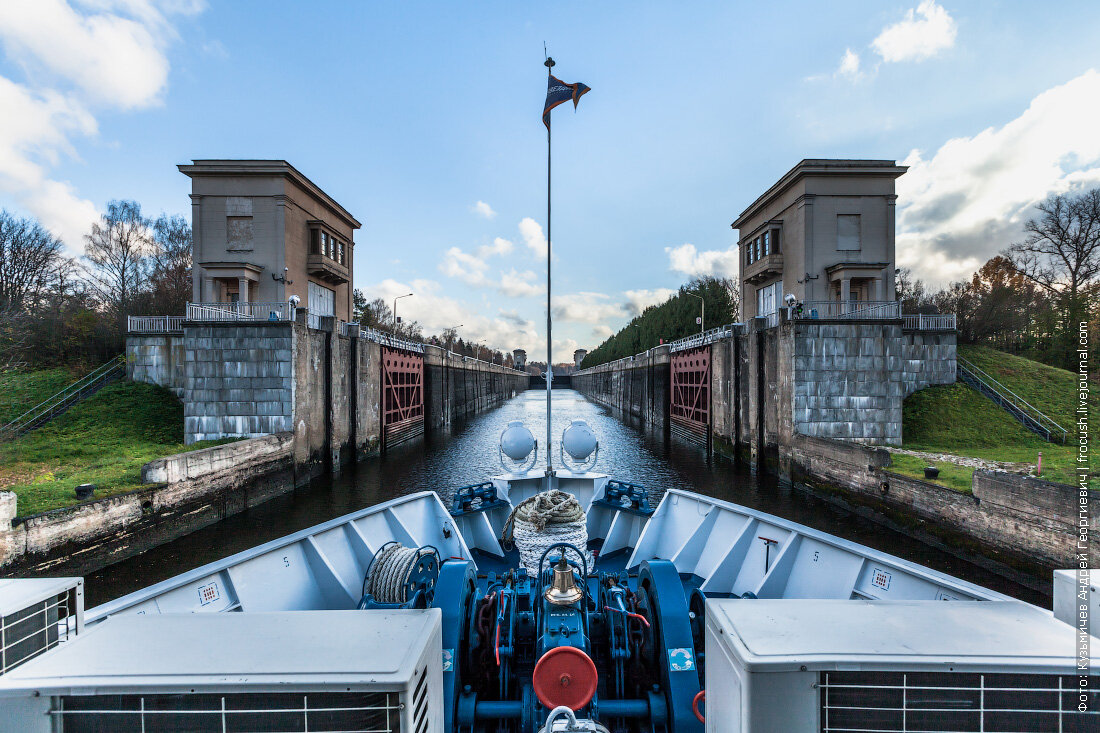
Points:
(913, 702)
(27, 632)
(313, 712)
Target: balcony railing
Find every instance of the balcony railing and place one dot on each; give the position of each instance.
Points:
(935, 322)
(239, 312)
(850, 310)
(155, 324)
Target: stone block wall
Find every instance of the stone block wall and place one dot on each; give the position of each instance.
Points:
(1022, 517)
(239, 380)
(157, 360)
(927, 358)
(847, 380)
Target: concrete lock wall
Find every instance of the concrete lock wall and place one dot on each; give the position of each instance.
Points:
(319, 392)
(186, 493)
(1024, 519)
(252, 379)
(638, 386)
(843, 380)
(457, 386)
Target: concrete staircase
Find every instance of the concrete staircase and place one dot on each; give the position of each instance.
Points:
(58, 404)
(1022, 411)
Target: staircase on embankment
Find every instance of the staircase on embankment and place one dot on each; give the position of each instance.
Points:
(1020, 409)
(59, 403)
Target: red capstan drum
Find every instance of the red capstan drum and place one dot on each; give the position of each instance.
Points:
(565, 676)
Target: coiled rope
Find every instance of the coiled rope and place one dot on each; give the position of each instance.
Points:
(544, 520)
(388, 574)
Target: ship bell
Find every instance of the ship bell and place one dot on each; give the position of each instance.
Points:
(563, 590)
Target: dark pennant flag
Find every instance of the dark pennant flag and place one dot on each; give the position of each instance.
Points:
(557, 92)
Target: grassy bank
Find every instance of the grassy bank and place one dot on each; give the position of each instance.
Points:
(104, 441)
(20, 391)
(958, 420)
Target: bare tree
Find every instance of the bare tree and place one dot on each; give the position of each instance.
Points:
(27, 255)
(1061, 253)
(116, 251)
(170, 264)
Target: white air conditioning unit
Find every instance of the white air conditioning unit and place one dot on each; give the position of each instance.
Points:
(351, 671)
(37, 614)
(813, 666)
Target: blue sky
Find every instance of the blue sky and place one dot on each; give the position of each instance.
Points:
(410, 114)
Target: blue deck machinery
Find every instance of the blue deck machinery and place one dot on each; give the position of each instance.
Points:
(619, 647)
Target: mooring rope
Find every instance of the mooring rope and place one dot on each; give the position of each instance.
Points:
(544, 520)
(389, 572)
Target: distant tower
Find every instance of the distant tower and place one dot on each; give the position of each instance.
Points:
(519, 359)
(578, 357)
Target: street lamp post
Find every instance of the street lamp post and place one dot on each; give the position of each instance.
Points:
(449, 340)
(702, 311)
(399, 297)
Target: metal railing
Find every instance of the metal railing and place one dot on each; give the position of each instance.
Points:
(58, 403)
(388, 339)
(154, 324)
(924, 322)
(1023, 411)
(702, 339)
(851, 309)
(240, 312)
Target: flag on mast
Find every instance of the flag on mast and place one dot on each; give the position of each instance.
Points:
(558, 92)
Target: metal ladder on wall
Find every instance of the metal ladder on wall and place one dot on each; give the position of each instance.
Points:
(1020, 409)
(58, 404)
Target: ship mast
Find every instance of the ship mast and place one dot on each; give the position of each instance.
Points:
(549, 63)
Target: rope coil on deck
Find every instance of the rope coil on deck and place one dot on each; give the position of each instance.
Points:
(544, 520)
(389, 572)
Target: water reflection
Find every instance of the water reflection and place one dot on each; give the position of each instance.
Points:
(467, 454)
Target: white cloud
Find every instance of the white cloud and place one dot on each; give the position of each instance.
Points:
(638, 300)
(587, 307)
(500, 246)
(473, 270)
(970, 199)
(114, 55)
(601, 332)
(533, 236)
(518, 284)
(109, 54)
(849, 66)
(483, 209)
(917, 38)
(715, 262)
(436, 312)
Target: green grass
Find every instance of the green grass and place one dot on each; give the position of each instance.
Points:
(20, 391)
(957, 419)
(104, 441)
(953, 476)
(1048, 388)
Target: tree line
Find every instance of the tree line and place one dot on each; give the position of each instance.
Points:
(672, 320)
(1032, 298)
(56, 309)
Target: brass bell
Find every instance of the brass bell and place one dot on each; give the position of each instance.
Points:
(563, 590)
